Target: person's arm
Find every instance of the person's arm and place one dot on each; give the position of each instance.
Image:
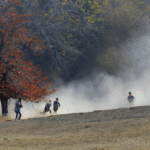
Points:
(21, 105)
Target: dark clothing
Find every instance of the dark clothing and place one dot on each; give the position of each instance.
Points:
(17, 115)
(47, 107)
(17, 109)
(55, 108)
(56, 105)
(17, 106)
(130, 99)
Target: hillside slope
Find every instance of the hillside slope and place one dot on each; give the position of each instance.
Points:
(116, 129)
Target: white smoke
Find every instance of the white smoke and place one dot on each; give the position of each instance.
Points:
(29, 110)
(100, 91)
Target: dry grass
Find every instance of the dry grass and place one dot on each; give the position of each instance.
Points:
(78, 132)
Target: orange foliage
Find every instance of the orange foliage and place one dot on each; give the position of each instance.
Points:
(25, 80)
(53, 90)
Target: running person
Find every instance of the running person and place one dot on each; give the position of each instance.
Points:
(56, 105)
(18, 105)
(130, 99)
(47, 107)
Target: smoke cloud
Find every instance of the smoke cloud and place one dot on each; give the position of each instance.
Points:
(99, 90)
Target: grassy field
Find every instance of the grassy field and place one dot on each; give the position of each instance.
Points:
(119, 129)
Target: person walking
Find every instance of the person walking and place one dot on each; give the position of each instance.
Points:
(56, 105)
(130, 99)
(47, 107)
(18, 105)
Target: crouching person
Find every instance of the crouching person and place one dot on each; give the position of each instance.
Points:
(47, 107)
(18, 105)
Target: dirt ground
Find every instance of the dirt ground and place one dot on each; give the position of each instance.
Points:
(118, 129)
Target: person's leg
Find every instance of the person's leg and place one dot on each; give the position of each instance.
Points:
(55, 112)
(16, 116)
(19, 116)
(132, 104)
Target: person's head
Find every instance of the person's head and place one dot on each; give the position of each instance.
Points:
(56, 99)
(19, 99)
(130, 94)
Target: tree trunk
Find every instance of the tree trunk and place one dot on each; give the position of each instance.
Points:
(4, 105)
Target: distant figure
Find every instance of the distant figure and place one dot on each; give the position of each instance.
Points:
(18, 105)
(56, 105)
(130, 99)
(47, 107)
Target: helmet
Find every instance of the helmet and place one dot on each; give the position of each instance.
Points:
(129, 92)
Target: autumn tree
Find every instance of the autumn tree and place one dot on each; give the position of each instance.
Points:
(18, 77)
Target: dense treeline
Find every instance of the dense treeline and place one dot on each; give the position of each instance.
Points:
(83, 34)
